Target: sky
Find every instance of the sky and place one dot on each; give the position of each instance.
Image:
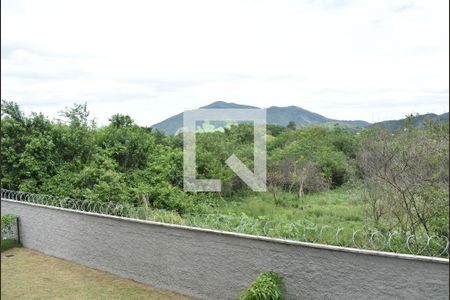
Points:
(344, 59)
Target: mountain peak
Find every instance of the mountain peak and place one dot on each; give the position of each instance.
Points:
(223, 104)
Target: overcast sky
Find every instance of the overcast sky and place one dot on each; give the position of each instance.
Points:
(344, 59)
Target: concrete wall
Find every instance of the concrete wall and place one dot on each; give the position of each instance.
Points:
(212, 265)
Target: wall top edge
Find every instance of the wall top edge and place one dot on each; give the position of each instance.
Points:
(250, 237)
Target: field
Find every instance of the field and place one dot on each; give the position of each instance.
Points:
(335, 217)
(27, 274)
(341, 207)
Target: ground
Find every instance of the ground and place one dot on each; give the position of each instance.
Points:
(27, 274)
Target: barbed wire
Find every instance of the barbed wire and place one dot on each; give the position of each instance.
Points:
(367, 238)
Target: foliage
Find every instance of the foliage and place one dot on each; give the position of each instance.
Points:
(267, 286)
(295, 177)
(332, 151)
(6, 223)
(122, 162)
(291, 125)
(407, 178)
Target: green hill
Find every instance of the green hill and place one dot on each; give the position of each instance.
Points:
(418, 120)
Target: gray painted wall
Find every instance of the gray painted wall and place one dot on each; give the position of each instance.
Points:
(213, 265)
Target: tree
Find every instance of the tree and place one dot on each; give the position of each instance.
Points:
(76, 116)
(275, 130)
(291, 125)
(119, 120)
(407, 176)
(316, 145)
(306, 176)
(12, 110)
(289, 175)
(28, 154)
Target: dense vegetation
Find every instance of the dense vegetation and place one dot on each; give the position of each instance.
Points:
(320, 175)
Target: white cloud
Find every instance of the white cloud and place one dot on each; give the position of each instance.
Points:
(368, 60)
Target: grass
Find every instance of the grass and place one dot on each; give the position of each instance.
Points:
(8, 244)
(341, 207)
(334, 217)
(26, 274)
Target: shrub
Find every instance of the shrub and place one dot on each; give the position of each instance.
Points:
(407, 176)
(267, 286)
(6, 223)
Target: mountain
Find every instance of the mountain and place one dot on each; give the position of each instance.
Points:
(275, 115)
(302, 117)
(174, 123)
(222, 104)
(417, 120)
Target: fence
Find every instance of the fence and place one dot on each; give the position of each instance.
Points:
(370, 238)
(210, 264)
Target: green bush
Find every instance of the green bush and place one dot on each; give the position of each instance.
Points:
(6, 242)
(6, 222)
(267, 286)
